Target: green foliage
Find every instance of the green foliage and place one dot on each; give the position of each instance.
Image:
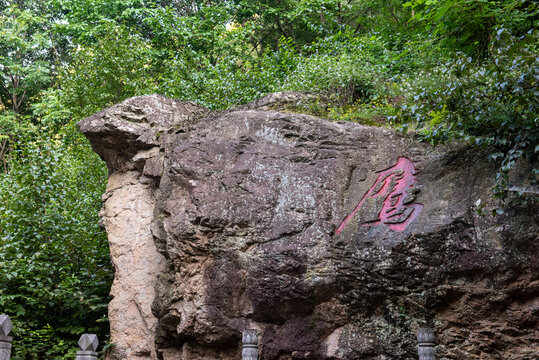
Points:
(385, 17)
(54, 269)
(343, 67)
(86, 21)
(24, 72)
(301, 21)
(228, 82)
(468, 25)
(492, 103)
(100, 75)
(24, 66)
(381, 111)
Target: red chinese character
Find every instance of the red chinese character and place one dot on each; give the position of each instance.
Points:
(398, 185)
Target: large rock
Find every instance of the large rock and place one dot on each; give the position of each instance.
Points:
(333, 240)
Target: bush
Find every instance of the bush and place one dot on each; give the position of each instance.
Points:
(492, 102)
(55, 271)
(343, 67)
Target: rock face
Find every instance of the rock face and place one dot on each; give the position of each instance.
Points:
(332, 240)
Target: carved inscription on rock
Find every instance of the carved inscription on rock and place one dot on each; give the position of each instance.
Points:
(398, 186)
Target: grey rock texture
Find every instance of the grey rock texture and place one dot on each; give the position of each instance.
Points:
(88, 344)
(331, 240)
(5, 341)
(5, 325)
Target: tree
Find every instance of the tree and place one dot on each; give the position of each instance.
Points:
(469, 25)
(118, 66)
(25, 70)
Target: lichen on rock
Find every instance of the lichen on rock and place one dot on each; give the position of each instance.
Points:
(333, 240)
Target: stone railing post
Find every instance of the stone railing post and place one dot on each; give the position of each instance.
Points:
(250, 345)
(426, 344)
(5, 340)
(88, 344)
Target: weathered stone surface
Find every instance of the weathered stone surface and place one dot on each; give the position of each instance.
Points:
(426, 342)
(122, 131)
(5, 341)
(5, 349)
(331, 240)
(5, 325)
(250, 345)
(88, 342)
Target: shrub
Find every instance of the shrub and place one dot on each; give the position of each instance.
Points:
(492, 103)
(55, 271)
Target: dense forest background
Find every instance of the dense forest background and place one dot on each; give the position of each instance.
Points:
(441, 69)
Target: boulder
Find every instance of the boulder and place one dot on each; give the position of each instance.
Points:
(333, 240)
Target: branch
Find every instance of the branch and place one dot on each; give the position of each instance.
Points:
(2, 153)
(322, 17)
(390, 9)
(22, 99)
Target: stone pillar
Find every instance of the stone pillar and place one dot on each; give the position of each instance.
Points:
(5, 340)
(88, 344)
(250, 345)
(127, 215)
(426, 344)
